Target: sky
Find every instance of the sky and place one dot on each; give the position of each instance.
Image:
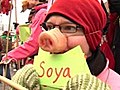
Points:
(21, 17)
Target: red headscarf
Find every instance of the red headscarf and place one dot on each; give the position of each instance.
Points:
(88, 13)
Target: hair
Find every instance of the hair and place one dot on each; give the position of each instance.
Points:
(5, 33)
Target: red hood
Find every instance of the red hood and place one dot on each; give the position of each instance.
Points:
(87, 13)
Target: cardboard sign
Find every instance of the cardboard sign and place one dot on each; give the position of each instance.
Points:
(56, 69)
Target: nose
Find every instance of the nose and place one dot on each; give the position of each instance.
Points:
(53, 41)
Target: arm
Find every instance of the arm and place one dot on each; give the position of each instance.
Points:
(30, 47)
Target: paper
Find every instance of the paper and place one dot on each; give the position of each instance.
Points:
(56, 69)
(24, 32)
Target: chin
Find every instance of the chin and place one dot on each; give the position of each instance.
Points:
(60, 52)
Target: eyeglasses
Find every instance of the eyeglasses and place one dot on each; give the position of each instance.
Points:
(64, 27)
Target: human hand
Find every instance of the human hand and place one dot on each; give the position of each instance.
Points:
(86, 81)
(6, 60)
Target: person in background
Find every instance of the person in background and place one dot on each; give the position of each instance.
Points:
(36, 8)
(3, 44)
(0, 45)
(82, 26)
(1, 67)
(113, 34)
(31, 46)
(105, 46)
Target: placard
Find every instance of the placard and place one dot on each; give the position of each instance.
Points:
(24, 32)
(56, 69)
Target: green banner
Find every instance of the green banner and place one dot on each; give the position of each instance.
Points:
(56, 69)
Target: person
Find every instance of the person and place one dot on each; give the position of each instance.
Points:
(34, 6)
(30, 47)
(1, 67)
(0, 45)
(3, 44)
(67, 27)
(113, 31)
(105, 46)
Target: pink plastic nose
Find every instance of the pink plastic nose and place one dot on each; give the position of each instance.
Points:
(53, 41)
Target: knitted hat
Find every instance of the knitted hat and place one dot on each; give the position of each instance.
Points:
(87, 13)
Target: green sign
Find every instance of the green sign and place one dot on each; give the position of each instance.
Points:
(56, 69)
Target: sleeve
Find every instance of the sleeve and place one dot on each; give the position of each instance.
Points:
(30, 47)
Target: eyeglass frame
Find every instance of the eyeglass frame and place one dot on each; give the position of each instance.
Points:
(77, 27)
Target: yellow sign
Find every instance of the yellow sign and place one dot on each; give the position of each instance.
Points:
(24, 32)
(56, 69)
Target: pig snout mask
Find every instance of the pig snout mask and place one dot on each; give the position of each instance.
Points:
(53, 41)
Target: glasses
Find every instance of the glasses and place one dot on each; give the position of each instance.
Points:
(64, 27)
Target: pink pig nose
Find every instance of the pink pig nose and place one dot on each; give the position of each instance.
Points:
(53, 41)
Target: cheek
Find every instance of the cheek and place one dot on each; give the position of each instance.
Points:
(78, 40)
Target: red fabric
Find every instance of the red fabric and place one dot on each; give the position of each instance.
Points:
(87, 17)
(93, 19)
(6, 6)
